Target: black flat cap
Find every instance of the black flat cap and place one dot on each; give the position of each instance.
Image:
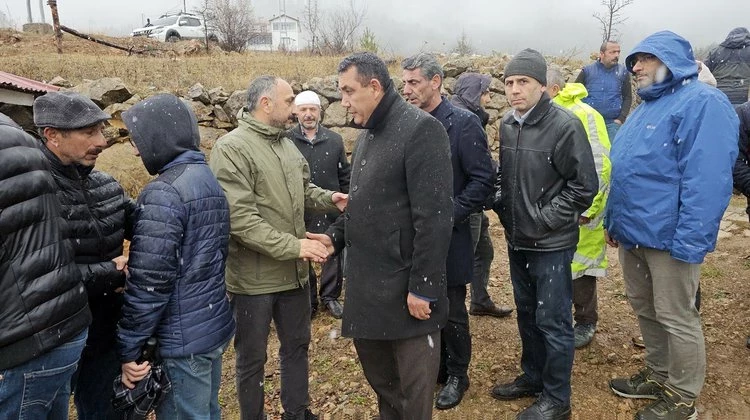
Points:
(67, 111)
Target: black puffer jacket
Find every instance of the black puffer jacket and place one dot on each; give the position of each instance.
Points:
(730, 65)
(741, 172)
(99, 215)
(546, 179)
(42, 300)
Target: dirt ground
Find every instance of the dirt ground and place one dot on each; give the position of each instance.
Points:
(338, 389)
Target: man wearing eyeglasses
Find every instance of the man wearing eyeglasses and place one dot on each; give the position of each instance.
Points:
(671, 182)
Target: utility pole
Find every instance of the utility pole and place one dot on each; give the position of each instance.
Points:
(41, 10)
(28, 10)
(184, 8)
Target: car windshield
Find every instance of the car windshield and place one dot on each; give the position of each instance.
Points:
(167, 21)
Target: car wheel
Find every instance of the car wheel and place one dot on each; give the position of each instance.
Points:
(173, 37)
(213, 38)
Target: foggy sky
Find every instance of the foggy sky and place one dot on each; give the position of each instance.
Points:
(404, 27)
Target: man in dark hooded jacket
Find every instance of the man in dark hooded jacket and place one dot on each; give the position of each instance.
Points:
(175, 289)
(99, 216)
(671, 182)
(730, 65)
(472, 92)
(44, 313)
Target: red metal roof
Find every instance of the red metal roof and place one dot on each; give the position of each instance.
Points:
(22, 84)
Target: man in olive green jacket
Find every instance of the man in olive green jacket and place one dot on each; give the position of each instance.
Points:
(266, 181)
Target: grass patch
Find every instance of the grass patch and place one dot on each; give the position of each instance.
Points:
(710, 271)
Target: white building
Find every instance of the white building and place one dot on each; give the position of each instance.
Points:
(285, 33)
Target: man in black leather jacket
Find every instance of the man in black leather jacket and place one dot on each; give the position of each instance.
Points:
(99, 216)
(547, 178)
(44, 314)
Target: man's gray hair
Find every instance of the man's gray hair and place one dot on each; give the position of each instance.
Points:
(261, 86)
(426, 63)
(555, 77)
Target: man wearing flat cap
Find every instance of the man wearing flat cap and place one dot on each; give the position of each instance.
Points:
(99, 218)
(324, 151)
(547, 178)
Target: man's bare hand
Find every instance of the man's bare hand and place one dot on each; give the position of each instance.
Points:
(323, 239)
(310, 250)
(133, 372)
(121, 263)
(618, 122)
(418, 308)
(341, 200)
(611, 242)
(583, 220)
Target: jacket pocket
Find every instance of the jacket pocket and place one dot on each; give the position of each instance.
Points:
(394, 245)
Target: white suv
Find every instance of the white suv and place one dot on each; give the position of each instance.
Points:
(171, 28)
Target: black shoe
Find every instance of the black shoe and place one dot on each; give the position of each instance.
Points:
(544, 408)
(519, 388)
(497, 311)
(307, 415)
(583, 334)
(639, 385)
(452, 393)
(335, 308)
(670, 406)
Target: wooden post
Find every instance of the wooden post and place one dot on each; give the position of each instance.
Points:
(56, 24)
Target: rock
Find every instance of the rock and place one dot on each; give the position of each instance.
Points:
(612, 357)
(349, 135)
(105, 91)
(324, 103)
(448, 84)
(202, 112)
(724, 234)
(59, 81)
(218, 96)
(236, 101)
(221, 115)
(198, 93)
(325, 86)
(116, 110)
(497, 86)
(335, 115)
(133, 99)
(455, 67)
(22, 115)
(188, 48)
(223, 125)
(498, 102)
(38, 28)
(209, 135)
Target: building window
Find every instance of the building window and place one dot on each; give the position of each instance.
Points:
(284, 26)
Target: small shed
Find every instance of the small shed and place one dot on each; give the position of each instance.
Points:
(17, 90)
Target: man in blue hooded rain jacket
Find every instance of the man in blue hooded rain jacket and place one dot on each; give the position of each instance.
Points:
(671, 182)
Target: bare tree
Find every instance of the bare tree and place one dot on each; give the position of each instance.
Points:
(463, 45)
(338, 33)
(611, 18)
(233, 21)
(311, 23)
(205, 11)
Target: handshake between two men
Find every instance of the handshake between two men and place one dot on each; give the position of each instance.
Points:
(317, 247)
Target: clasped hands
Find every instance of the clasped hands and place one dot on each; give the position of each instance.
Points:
(317, 247)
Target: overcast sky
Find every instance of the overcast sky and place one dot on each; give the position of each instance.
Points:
(404, 26)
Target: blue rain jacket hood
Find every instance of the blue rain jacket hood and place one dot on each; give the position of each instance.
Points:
(162, 128)
(672, 160)
(675, 52)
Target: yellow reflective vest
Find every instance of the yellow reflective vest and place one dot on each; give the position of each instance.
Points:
(591, 254)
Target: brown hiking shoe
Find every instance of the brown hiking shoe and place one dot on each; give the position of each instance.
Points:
(640, 385)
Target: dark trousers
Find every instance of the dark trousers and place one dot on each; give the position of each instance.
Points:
(585, 300)
(290, 312)
(92, 384)
(542, 287)
(331, 281)
(483, 255)
(402, 373)
(455, 352)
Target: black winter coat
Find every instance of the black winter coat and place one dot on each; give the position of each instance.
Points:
(473, 180)
(546, 178)
(329, 169)
(397, 225)
(741, 173)
(42, 300)
(730, 65)
(99, 215)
